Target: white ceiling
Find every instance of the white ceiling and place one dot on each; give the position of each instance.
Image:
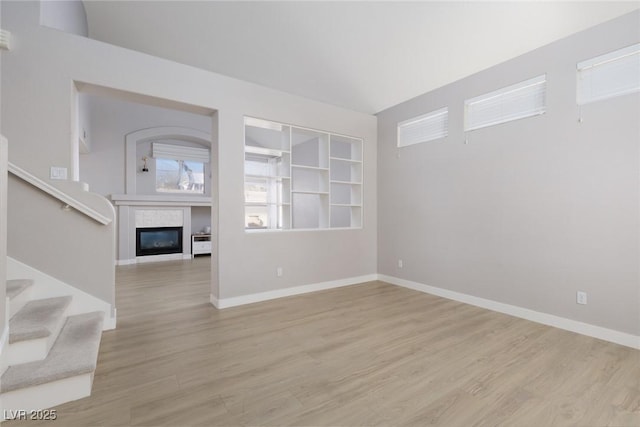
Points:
(365, 56)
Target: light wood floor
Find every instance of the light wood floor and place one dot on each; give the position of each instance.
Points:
(370, 354)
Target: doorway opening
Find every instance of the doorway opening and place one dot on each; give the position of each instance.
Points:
(154, 160)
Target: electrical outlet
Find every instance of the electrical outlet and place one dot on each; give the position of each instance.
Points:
(58, 172)
(279, 271)
(581, 297)
(400, 263)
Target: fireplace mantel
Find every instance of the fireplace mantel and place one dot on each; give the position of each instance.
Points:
(159, 200)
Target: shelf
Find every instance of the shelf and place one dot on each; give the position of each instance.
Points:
(309, 167)
(277, 177)
(346, 182)
(346, 205)
(345, 160)
(265, 204)
(264, 151)
(322, 193)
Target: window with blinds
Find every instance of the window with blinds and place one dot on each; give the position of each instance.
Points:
(180, 152)
(179, 169)
(424, 128)
(524, 99)
(613, 74)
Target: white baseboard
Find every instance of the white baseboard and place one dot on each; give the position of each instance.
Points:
(582, 328)
(296, 290)
(159, 258)
(45, 286)
(214, 301)
(109, 322)
(153, 258)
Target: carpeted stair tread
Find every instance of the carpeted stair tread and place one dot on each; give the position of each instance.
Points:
(37, 319)
(75, 352)
(16, 286)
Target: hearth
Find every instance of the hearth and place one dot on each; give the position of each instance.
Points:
(158, 241)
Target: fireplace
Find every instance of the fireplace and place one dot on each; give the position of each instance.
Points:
(158, 241)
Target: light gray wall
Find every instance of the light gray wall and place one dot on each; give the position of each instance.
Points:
(527, 212)
(65, 15)
(200, 218)
(110, 121)
(36, 105)
(84, 121)
(61, 242)
(3, 232)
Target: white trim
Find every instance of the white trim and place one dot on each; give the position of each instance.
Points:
(47, 395)
(159, 200)
(214, 301)
(153, 258)
(5, 332)
(45, 286)
(4, 339)
(582, 328)
(287, 292)
(159, 258)
(109, 322)
(58, 194)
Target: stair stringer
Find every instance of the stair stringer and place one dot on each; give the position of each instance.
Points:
(46, 286)
(47, 395)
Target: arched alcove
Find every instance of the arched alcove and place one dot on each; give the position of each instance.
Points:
(134, 162)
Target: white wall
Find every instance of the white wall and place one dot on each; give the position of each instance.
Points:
(37, 78)
(528, 212)
(103, 168)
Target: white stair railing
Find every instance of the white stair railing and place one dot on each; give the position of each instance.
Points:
(58, 194)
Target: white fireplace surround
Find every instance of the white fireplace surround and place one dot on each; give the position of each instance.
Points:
(153, 211)
(158, 217)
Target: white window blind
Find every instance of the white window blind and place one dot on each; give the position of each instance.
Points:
(524, 99)
(180, 152)
(613, 74)
(424, 128)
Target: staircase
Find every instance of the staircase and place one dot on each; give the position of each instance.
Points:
(50, 356)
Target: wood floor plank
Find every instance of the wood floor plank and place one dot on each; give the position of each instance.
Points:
(368, 355)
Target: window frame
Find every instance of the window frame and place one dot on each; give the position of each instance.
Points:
(429, 119)
(503, 94)
(592, 65)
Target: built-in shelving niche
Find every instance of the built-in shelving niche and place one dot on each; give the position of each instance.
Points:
(297, 178)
